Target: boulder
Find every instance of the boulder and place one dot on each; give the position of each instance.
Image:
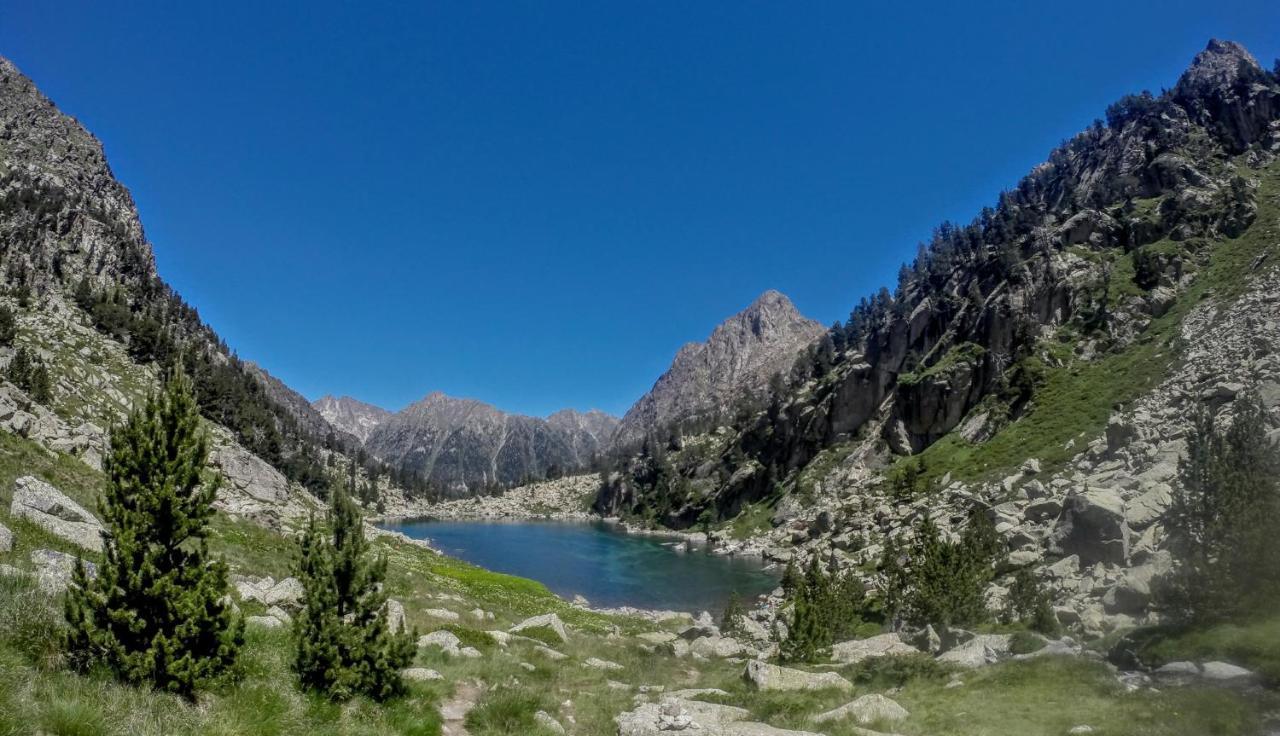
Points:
(544, 719)
(545, 621)
(420, 674)
(766, 676)
(443, 614)
(266, 622)
(1132, 592)
(853, 652)
(981, 650)
(1148, 507)
(1092, 525)
(285, 593)
(53, 569)
(6, 539)
(1225, 673)
(679, 714)
(596, 663)
(717, 646)
(395, 616)
(54, 512)
(865, 710)
(446, 640)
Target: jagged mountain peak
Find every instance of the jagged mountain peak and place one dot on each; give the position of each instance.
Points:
(739, 356)
(346, 414)
(1218, 67)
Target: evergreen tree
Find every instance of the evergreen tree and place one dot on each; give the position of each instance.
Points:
(1029, 603)
(344, 644)
(156, 612)
(8, 327)
(731, 621)
(935, 581)
(1225, 517)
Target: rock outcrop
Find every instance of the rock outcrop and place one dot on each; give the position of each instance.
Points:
(706, 378)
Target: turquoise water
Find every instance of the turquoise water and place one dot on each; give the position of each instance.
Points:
(608, 567)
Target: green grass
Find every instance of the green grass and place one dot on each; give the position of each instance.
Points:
(752, 520)
(1253, 644)
(510, 712)
(1075, 400)
(967, 352)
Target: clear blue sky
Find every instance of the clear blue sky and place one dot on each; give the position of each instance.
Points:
(536, 203)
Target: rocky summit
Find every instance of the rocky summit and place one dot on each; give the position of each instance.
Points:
(349, 415)
(706, 379)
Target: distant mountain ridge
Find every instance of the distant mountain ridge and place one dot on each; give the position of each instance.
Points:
(349, 415)
(467, 446)
(739, 357)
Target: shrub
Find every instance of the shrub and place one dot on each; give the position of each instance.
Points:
(895, 670)
(8, 326)
(731, 621)
(1029, 603)
(933, 581)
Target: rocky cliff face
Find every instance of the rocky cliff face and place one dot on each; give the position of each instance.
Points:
(352, 416)
(706, 378)
(463, 445)
(1072, 268)
(307, 416)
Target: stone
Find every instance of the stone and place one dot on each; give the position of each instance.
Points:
(545, 720)
(395, 616)
(420, 674)
(1081, 729)
(853, 652)
(1148, 507)
(1178, 670)
(53, 511)
(717, 646)
(266, 622)
(279, 613)
(6, 539)
(547, 620)
(656, 637)
(1092, 525)
(865, 710)
(1132, 592)
(445, 640)
(679, 714)
(53, 569)
(1225, 672)
(981, 650)
(596, 663)
(443, 614)
(766, 676)
(550, 653)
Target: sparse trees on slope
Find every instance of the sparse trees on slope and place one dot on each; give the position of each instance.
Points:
(157, 613)
(8, 326)
(345, 646)
(935, 581)
(1225, 518)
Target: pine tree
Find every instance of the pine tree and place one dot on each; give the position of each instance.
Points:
(731, 621)
(8, 326)
(1225, 517)
(344, 644)
(157, 613)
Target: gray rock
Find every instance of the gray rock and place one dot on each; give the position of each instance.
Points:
(6, 539)
(546, 621)
(266, 622)
(54, 570)
(420, 674)
(1225, 672)
(545, 720)
(854, 651)
(446, 640)
(54, 512)
(1092, 525)
(677, 714)
(395, 615)
(980, 651)
(766, 676)
(865, 710)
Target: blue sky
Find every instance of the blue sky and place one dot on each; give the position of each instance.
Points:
(536, 203)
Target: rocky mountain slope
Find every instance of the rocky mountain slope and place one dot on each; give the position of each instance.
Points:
(79, 275)
(1072, 269)
(349, 415)
(464, 445)
(707, 378)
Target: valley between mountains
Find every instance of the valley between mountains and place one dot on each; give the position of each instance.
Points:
(1032, 488)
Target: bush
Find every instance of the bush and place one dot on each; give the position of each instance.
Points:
(825, 608)
(896, 670)
(8, 327)
(1030, 603)
(932, 581)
